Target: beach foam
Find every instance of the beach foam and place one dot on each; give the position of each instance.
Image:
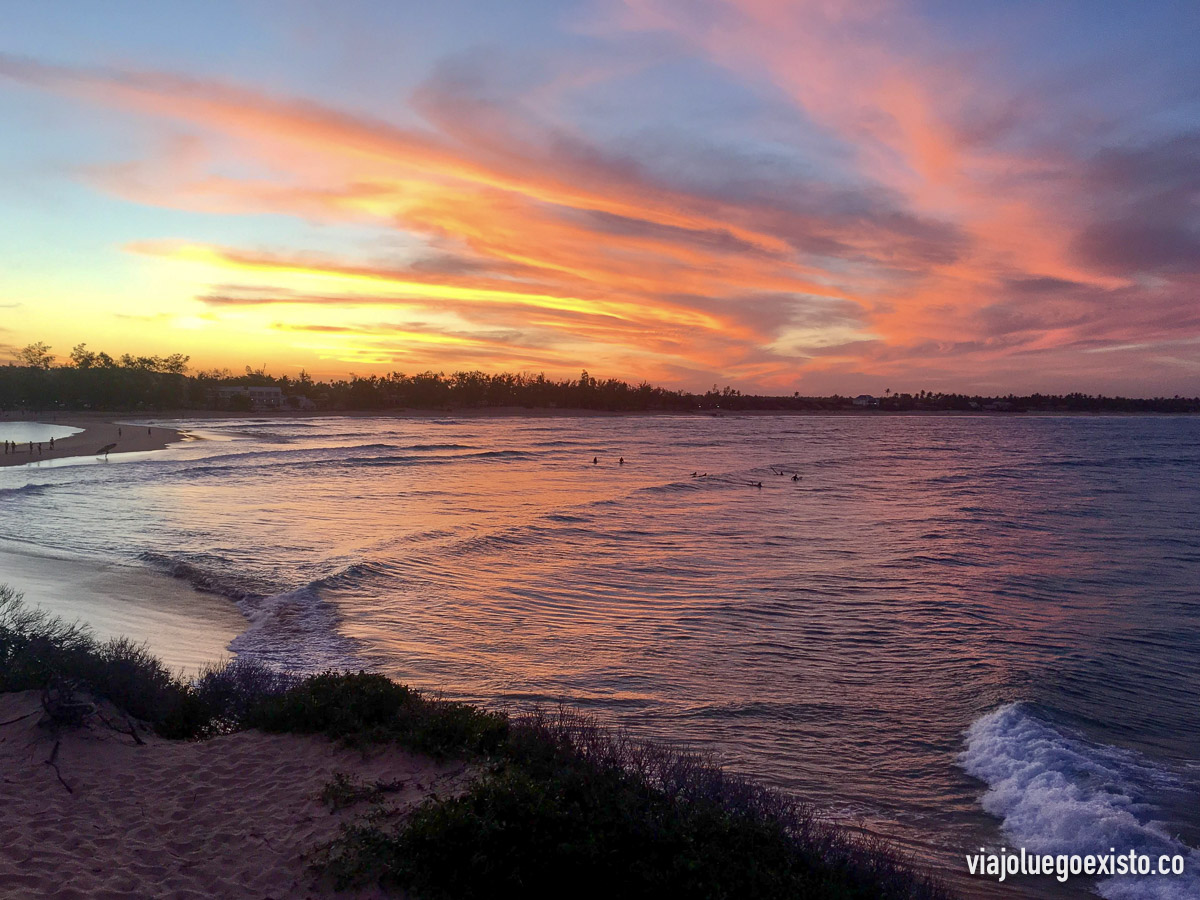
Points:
(295, 630)
(1057, 793)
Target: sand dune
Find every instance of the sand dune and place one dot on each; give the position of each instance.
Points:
(231, 817)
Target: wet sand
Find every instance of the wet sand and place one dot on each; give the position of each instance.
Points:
(185, 628)
(98, 431)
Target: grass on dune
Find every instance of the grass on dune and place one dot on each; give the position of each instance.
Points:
(559, 804)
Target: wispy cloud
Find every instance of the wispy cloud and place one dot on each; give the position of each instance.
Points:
(935, 220)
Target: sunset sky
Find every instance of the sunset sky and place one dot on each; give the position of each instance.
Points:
(817, 196)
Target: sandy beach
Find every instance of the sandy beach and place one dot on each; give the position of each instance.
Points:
(231, 817)
(188, 629)
(99, 430)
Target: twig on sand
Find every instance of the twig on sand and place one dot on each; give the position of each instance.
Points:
(52, 763)
(17, 719)
(130, 728)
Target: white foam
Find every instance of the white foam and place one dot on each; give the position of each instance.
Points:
(1061, 794)
(295, 631)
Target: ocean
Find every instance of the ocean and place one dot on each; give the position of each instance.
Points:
(959, 632)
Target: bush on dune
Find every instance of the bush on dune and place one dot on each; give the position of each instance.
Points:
(34, 646)
(372, 708)
(38, 650)
(567, 802)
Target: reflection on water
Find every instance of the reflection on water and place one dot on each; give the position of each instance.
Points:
(835, 634)
(24, 432)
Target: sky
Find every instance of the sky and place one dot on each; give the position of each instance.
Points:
(822, 196)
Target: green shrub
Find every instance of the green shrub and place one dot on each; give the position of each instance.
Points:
(35, 647)
(333, 703)
(604, 833)
(363, 707)
(346, 790)
(131, 678)
(568, 802)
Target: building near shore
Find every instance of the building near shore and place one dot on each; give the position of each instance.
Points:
(268, 397)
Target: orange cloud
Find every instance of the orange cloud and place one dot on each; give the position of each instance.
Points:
(921, 248)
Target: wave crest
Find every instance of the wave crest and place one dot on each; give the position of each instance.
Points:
(1056, 793)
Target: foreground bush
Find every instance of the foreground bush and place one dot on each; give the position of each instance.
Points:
(39, 651)
(562, 805)
(371, 708)
(567, 802)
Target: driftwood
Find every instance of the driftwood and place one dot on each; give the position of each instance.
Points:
(129, 729)
(64, 708)
(52, 762)
(17, 719)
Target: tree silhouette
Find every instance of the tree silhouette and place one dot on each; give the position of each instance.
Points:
(36, 356)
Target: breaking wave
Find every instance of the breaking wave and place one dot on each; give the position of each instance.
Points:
(1056, 793)
(294, 630)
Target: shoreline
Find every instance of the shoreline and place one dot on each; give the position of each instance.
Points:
(98, 430)
(91, 420)
(186, 628)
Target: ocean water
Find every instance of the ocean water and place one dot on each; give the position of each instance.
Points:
(24, 432)
(958, 632)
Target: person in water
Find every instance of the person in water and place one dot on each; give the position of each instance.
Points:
(595, 460)
(621, 461)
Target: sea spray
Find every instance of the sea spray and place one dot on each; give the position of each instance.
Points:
(1063, 796)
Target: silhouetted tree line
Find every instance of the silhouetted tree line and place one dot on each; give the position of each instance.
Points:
(1074, 402)
(95, 380)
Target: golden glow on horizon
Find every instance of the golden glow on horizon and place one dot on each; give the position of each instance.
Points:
(305, 274)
